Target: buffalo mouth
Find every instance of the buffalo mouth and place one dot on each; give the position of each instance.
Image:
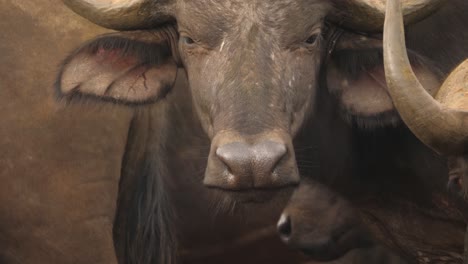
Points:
(255, 195)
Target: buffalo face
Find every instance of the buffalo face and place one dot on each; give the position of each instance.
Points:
(252, 67)
(321, 224)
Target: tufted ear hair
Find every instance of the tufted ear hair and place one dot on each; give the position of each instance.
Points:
(355, 74)
(134, 67)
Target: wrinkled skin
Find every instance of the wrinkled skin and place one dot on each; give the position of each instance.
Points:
(259, 54)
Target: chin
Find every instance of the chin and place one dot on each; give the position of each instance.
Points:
(254, 196)
(268, 203)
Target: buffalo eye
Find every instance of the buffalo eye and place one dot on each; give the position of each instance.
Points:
(187, 40)
(312, 39)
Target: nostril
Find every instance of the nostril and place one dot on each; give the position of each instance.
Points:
(224, 156)
(268, 154)
(284, 227)
(235, 156)
(278, 152)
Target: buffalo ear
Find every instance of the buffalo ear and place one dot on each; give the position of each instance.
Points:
(129, 67)
(355, 74)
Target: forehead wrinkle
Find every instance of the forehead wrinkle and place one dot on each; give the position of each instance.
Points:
(282, 12)
(210, 13)
(293, 22)
(207, 25)
(228, 14)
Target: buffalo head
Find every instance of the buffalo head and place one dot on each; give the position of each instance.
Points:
(440, 123)
(253, 69)
(320, 223)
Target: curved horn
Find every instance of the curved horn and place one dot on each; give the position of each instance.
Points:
(369, 15)
(122, 14)
(443, 129)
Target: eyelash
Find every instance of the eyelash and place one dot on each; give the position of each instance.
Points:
(313, 39)
(187, 40)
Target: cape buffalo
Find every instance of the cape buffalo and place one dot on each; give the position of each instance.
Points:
(440, 123)
(253, 70)
(408, 209)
